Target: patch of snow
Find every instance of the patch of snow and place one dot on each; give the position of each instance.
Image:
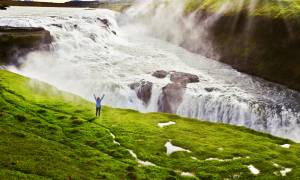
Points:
(217, 159)
(161, 125)
(143, 163)
(276, 165)
(187, 174)
(114, 141)
(194, 158)
(146, 163)
(112, 135)
(235, 158)
(220, 149)
(285, 171)
(285, 146)
(132, 153)
(253, 170)
(171, 148)
(213, 159)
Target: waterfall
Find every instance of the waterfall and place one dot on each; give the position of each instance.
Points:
(89, 57)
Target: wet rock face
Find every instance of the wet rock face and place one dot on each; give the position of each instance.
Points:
(262, 45)
(105, 22)
(160, 74)
(170, 98)
(267, 47)
(183, 78)
(107, 25)
(143, 90)
(18, 41)
(171, 95)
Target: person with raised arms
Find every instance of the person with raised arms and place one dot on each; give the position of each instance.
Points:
(98, 104)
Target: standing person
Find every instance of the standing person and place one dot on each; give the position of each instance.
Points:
(98, 104)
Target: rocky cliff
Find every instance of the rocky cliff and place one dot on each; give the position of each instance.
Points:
(258, 37)
(16, 42)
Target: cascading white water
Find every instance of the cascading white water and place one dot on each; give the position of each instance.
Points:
(88, 58)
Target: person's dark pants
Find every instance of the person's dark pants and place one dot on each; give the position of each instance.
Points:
(98, 111)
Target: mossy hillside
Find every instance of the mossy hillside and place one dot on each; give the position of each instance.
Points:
(46, 133)
(270, 8)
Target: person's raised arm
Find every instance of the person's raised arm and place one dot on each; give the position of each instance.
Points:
(102, 97)
(95, 97)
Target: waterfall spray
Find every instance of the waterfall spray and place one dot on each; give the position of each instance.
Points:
(87, 58)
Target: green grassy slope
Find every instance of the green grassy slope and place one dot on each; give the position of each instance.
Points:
(272, 8)
(46, 134)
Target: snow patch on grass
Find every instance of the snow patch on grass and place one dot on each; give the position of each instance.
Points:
(194, 158)
(143, 163)
(217, 159)
(285, 171)
(276, 165)
(286, 146)
(171, 148)
(114, 141)
(161, 125)
(253, 169)
(188, 174)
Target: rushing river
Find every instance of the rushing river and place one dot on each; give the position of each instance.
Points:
(86, 58)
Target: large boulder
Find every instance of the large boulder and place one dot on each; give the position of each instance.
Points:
(183, 78)
(160, 74)
(143, 90)
(171, 96)
(18, 41)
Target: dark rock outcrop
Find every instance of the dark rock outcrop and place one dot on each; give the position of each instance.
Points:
(160, 74)
(183, 78)
(105, 22)
(3, 7)
(18, 41)
(143, 90)
(171, 96)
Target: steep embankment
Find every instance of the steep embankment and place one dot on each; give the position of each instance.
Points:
(46, 133)
(254, 36)
(16, 42)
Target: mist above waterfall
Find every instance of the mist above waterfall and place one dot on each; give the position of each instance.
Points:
(86, 57)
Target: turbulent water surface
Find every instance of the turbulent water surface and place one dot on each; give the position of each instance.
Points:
(86, 58)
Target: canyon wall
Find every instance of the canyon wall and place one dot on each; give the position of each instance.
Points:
(16, 42)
